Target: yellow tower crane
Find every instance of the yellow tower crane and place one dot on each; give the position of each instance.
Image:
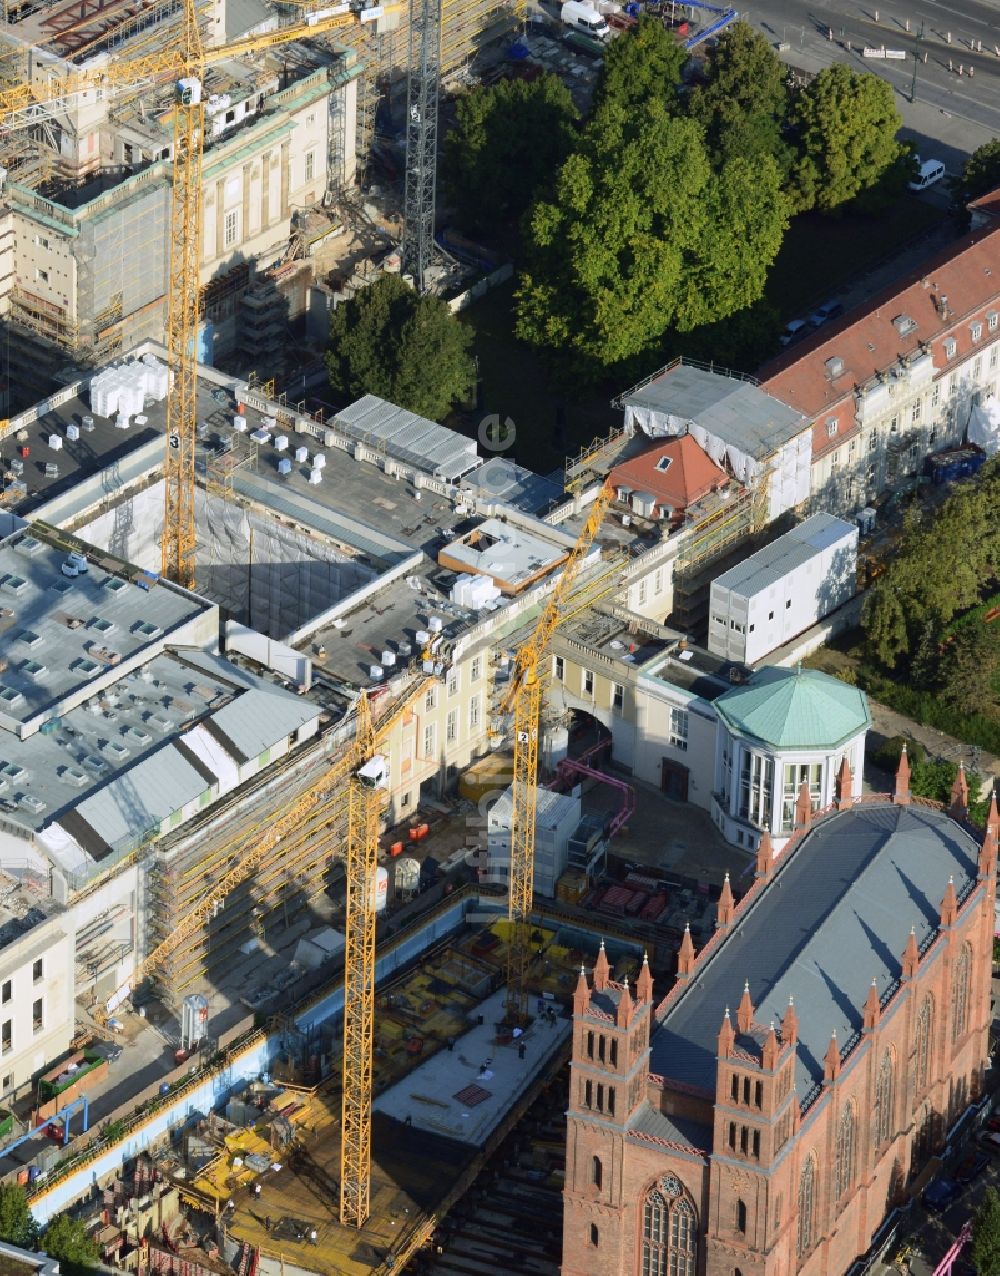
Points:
(526, 697)
(185, 62)
(366, 772)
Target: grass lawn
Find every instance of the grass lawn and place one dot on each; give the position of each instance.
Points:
(820, 255)
(517, 384)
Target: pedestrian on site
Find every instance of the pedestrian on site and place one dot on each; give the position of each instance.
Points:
(312, 1236)
(267, 1223)
(256, 1191)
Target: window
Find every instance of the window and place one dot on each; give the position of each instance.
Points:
(950, 346)
(597, 1172)
(7, 1036)
(795, 774)
(617, 696)
(7, 1082)
(894, 425)
(741, 1216)
(976, 331)
(430, 700)
(807, 1195)
(36, 1015)
(846, 1138)
(310, 165)
(922, 1045)
(916, 410)
(42, 276)
(430, 732)
(991, 321)
(474, 713)
(756, 787)
(960, 995)
(7, 992)
(883, 1101)
(831, 429)
(994, 356)
(658, 581)
(231, 228)
(594, 1235)
(641, 592)
(977, 367)
(451, 726)
(42, 242)
(870, 474)
(38, 970)
(669, 1232)
(559, 668)
(588, 682)
(873, 441)
(454, 682)
(935, 396)
(476, 669)
(679, 729)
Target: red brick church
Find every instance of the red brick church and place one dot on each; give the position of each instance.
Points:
(765, 1115)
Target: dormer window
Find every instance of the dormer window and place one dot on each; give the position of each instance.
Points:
(832, 425)
(904, 325)
(977, 331)
(664, 464)
(992, 319)
(950, 346)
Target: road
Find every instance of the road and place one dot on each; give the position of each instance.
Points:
(959, 111)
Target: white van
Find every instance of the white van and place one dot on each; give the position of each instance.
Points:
(584, 17)
(928, 172)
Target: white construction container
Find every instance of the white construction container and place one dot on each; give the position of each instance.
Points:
(784, 589)
(301, 455)
(319, 461)
(72, 432)
(284, 466)
(315, 476)
(55, 442)
(281, 443)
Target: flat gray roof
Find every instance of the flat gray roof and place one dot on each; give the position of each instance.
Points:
(836, 916)
(769, 565)
(405, 437)
(58, 633)
(500, 479)
(738, 412)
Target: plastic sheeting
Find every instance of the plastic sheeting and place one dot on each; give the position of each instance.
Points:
(265, 575)
(984, 425)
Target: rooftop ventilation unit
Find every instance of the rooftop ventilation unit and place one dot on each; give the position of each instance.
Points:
(834, 367)
(904, 325)
(70, 775)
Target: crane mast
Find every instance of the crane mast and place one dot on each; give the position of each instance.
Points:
(526, 697)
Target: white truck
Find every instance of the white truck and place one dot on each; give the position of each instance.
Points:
(584, 17)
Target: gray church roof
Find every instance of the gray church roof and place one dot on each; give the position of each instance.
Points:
(835, 917)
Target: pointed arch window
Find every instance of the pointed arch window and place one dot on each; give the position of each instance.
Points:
(922, 1045)
(807, 1204)
(846, 1157)
(883, 1100)
(741, 1216)
(669, 1231)
(960, 994)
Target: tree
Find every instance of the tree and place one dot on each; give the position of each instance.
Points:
(969, 664)
(67, 1240)
(410, 350)
(743, 103)
(985, 1252)
(846, 124)
(980, 175)
(16, 1224)
(640, 237)
(507, 141)
(640, 66)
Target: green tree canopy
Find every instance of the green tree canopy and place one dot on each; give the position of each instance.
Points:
(507, 141)
(640, 66)
(16, 1224)
(410, 350)
(743, 102)
(985, 1252)
(969, 665)
(67, 1240)
(846, 124)
(980, 175)
(640, 237)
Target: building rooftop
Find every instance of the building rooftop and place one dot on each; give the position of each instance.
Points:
(904, 320)
(508, 553)
(694, 670)
(551, 808)
(772, 563)
(500, 479)
(608, 635)
(676, 473)
(795, 709)
(836, 915)
(737, 411)
(61, 634)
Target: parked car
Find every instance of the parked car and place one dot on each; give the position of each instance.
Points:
(797, 328)
(990, 1141)
(940, 1195)
(824, 313)
(970, 1167)
(928, 173)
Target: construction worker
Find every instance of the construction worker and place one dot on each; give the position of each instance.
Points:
(256, 1191)
(312, 1236)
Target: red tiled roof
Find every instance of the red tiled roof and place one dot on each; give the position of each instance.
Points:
(968, 275)
(988, 204)
(690, 475)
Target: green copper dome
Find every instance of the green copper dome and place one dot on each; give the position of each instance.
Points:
(796, 709)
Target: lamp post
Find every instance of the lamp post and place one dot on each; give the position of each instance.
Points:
(916, 63)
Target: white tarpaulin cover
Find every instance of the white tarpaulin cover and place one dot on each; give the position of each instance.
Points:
(984, 425)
